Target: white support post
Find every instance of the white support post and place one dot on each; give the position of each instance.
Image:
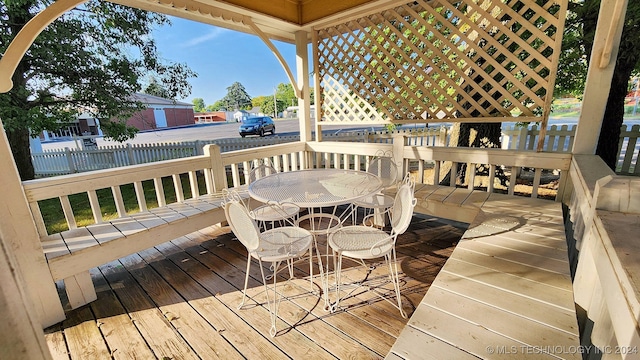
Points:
(302, 74)
(398, 153)
(218, 171)
(598, 83)
(21, 335)
(22, 242)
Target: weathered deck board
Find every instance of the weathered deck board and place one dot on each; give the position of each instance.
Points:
(505, 292)
(205, 339)
(161, 337)
(181, 298)
(117, 328)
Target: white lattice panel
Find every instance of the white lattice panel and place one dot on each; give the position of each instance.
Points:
(441, 59)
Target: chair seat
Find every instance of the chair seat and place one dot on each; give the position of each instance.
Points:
(283, 243)
(357, 242)
(269, 213)
(376, 201)
(319, 223)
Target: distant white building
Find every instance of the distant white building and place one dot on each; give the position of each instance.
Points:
(241, 115)
(292, 111)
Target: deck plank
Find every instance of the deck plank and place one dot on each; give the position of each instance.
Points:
(508, 301)
(415, 344)
(550, 278)
(521, 285)
(294, 343)
(57, 345)
(505, 292)
(339, 343)
(477, 339)
(232, 327)
(197, 279)
(162, 338)
(117, 328)
(493, 318)
(84, 338)
(204, 340)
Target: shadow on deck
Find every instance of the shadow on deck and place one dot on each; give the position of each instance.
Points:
(179, 301)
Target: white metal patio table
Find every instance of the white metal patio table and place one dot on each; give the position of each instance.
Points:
(316, 188)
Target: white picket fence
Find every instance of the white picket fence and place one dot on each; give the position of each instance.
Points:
(557, 139)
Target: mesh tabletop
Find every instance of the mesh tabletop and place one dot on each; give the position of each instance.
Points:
(316, 187)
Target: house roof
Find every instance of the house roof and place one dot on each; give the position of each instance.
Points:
(157, 100)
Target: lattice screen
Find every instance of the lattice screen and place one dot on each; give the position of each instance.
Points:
(465, 59)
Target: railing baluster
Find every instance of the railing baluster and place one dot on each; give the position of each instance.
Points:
(536, 182)
(159, 188)
(68, 212)
(177, 185)
(142, 202)
(117, 198)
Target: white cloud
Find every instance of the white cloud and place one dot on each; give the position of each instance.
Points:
(212, 34)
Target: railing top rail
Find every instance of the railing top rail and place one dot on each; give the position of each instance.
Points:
(237, 156)
(508, 157)
(40, 189)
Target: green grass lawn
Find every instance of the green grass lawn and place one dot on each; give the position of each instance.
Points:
(54, 217)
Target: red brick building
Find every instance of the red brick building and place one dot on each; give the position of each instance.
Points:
(212, 116)
(161, 113)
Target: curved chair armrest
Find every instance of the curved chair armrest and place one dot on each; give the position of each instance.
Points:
(389, 239)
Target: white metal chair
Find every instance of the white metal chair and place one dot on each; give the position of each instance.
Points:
(363, 242)
(385, 168)
(277, 245)
(267, 214)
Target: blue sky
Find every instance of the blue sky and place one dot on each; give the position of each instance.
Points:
(222, 57)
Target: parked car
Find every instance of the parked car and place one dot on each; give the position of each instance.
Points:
(257, 126)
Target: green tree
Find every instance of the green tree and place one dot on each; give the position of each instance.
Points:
(198, 105)
(217, 106)
(81, 62)
(576, 52)
(156, 89)
(286, 96)
(237, 97)
(265, 103)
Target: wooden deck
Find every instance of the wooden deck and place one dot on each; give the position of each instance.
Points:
(505, 292)
(179, 301)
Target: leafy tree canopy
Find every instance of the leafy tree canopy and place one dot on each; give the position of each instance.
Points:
(574, 60)
(89, 60)
(265, 103)
(286, 95)
(237, 97)
(217, 106)
(156, 89)
(198, 105)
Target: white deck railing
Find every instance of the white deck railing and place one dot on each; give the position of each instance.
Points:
(231, 170)
(604, 220)
(604, 233)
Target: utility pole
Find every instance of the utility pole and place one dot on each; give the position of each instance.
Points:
(275, 104)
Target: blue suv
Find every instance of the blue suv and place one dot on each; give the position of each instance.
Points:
(257, 126)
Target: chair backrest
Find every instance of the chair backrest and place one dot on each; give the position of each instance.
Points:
(403, 205)
(261, 171)
(242, 224)
(385, 168)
